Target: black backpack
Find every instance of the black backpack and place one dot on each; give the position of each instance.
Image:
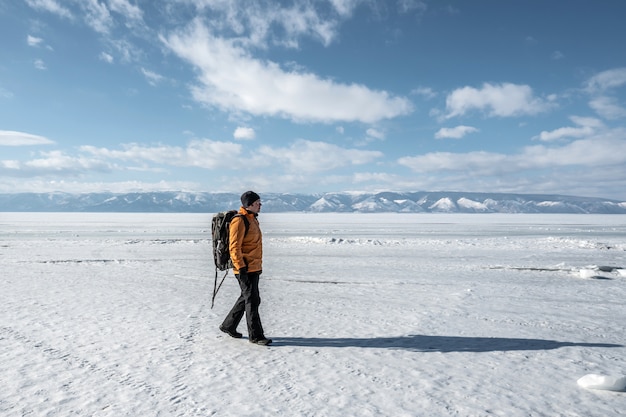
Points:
(220, 229)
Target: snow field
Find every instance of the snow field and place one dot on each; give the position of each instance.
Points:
(402, 315)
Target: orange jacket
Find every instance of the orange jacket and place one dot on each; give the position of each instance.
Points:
(246, 250)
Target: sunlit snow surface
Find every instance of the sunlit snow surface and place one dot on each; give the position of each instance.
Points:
(371, 315)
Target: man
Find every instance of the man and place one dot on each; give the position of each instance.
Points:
(246, 253)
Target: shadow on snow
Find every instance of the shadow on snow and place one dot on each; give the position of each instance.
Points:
(421, 343)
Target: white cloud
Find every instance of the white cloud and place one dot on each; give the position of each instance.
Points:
(479, 161)
(563, 132)
(557, 55)
(426, 92)
(10, 165)
(244, 133)
(301, 158)
(530, 40)
(603, 150)
(607, 80)
(51, 6)
(600, 87)
(345, 7)
(38, 185)
(454, 132)
(408, 6)
(152, 77)
(586, 127)
(608, 107)
(259, 22)
(502, 100)
(106, 57)
(128, 51)
(233, 80)
(299, 20)
(40, 65)
(33, 40)
(198, 153)
(599, 151)
(5, 93)
(13, 138)
(309, 157)
(375, 133)
(587, 121)
(97, 15)
(94, 13)
(58, 162)
(123, 7)
(54, 163)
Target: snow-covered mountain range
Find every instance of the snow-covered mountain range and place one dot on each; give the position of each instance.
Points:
(400, 202)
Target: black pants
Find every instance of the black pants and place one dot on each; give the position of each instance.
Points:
(248, 302)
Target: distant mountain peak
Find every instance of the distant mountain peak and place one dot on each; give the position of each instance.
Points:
(350, 202)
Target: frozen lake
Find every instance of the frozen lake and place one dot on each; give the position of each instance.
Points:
(371, 314)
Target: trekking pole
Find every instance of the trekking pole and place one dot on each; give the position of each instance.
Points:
(216, 287)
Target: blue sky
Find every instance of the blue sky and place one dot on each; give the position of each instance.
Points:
(313, 96)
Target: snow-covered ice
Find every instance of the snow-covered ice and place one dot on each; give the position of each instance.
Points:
(371, 315)
(606, 382)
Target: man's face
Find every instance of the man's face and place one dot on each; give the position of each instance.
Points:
(255, 207)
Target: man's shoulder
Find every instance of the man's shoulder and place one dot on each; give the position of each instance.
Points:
(240, 218)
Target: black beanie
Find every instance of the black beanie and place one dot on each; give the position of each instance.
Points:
(248, 198)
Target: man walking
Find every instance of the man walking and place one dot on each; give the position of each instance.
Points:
(246, 253)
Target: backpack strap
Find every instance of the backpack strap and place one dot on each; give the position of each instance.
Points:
(246, 222)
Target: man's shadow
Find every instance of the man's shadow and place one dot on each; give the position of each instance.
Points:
(420, 343)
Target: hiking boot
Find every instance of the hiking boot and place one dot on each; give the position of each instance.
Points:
(231, 333)
(263, 341)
